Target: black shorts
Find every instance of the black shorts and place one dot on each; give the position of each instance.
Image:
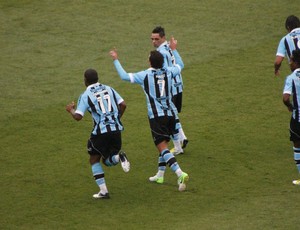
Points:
(162, 128)
(294, 130)
(105, 144)
(177, 100)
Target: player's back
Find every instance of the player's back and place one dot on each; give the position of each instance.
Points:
(157, 88)
(103, 105)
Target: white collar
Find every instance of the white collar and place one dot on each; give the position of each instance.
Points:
(93, 85)
(297, 70)
(164, 43)
(298, 28)
(151, 68)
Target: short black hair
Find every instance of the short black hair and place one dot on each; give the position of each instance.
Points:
(296, 56)
(159, 30)
(91, 76)
(156, 59)
(292, 22)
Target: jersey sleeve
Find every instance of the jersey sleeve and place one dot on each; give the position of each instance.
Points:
(138, 77)
(288, 86)
(281, 51)
(178, 59)
(82, 105)
(175, 70)
(118, 96)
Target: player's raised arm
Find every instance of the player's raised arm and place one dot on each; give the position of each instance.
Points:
(122, 73)
(173, 46)
(113, 53)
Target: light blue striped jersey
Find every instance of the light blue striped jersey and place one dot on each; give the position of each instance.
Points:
(157, 85)
(169, 60)
(292, 87)
(289, 43)
(102, 102)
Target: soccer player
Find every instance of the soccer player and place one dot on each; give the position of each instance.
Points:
(292, 87)
(289, 42)
(106, 107)
(162, 113)
(159, 41)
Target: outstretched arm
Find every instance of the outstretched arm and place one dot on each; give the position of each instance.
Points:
(122, 73)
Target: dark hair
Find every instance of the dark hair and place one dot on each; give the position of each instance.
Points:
(292, 22)
(156, 59)
(91, 76)
(296, 56)
(159, 30)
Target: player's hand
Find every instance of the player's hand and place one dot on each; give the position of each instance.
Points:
(173, 43)
(113, 53)
(70, 107)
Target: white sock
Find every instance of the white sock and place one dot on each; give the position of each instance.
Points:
(160, 173)
(178, 172)
(103, 188)
(117, 158)
(177, 145)
(181, 134)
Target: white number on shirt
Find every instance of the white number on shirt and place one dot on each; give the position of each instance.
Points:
(100, 98)
(161, 83)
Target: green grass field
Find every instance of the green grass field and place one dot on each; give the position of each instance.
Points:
(239, 156)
